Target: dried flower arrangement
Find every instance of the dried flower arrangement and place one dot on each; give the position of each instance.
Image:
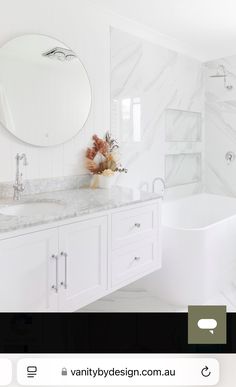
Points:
(103, 157)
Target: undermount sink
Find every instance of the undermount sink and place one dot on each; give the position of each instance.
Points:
(32, 209)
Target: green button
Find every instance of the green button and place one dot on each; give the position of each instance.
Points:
(207, 325)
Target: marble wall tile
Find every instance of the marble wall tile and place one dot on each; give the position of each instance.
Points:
(183, 125)
(220, 119)
(182, 169)
(147, 79)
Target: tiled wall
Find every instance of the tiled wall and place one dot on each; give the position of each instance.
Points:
(182, 169)
(146, 80)
(157, 105)
(220, 127)
(86, 31)
(85, 28)
(183, 126)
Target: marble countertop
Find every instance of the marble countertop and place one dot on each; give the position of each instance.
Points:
(74, 203)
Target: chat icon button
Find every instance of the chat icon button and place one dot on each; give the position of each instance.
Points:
(207, 324)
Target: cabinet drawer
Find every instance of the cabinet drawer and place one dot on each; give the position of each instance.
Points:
(133, 260)
(130, 225)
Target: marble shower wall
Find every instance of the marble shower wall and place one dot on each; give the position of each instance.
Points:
(220, 127)
(146, 81)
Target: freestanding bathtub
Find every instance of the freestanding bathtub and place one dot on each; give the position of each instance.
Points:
(199, 251)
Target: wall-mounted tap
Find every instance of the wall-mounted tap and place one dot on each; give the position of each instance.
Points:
(163, 185)
(18, 186)
(230, 157)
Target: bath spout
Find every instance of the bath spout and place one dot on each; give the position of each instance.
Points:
(163, 185)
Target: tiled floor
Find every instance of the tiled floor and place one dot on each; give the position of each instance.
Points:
(130, 300)
(126, 300)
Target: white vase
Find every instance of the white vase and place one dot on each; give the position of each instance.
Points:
(106, 181)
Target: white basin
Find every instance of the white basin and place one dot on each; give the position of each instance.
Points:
(32, 209)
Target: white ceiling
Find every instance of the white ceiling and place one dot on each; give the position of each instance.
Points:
(206, 27)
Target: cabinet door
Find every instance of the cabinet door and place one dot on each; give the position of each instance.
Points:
(82, 263)
(27, 272)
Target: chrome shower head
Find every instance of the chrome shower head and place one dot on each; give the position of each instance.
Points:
(222, 73)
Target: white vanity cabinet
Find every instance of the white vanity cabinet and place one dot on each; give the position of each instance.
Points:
(135, 244)
(60, 269)
(82, 263)
(27, 272)
(72, 264)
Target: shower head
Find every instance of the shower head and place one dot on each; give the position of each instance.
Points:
(60, 53)
(222, 73)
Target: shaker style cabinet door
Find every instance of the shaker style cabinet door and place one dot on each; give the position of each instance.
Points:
(28, 272)
(82, 263)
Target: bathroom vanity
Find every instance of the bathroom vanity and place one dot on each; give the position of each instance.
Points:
(62, 250)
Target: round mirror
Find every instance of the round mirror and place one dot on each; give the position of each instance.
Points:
(45, 93)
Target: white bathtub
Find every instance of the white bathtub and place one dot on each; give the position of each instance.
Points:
(199, 251)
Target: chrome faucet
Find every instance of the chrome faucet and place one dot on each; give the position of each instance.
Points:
(18, 186)
(230, 157)
(163, 185)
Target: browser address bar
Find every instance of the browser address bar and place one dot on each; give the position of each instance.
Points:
(118, 370)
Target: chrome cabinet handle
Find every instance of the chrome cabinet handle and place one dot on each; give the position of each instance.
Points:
(64, 283)
(137, 258)
(138, 225)
(55, 286)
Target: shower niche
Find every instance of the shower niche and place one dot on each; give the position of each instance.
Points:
(183, 125)
(182, 169)
(183, 136)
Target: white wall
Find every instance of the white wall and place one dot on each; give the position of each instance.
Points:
(86, 30)
(87, 33)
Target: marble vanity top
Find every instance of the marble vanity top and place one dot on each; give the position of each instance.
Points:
(73, 203)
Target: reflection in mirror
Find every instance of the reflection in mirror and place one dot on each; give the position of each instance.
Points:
(45, 93)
